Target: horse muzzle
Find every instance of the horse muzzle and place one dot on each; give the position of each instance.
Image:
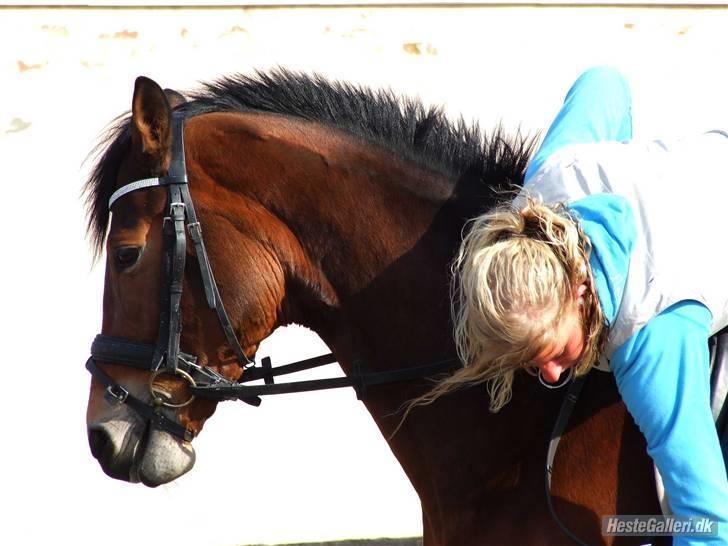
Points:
(128, 452)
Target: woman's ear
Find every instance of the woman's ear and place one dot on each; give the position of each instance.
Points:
(579, 292)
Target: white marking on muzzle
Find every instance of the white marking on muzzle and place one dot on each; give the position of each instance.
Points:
(165, 458)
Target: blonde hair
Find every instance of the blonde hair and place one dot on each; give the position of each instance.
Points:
(514, 278)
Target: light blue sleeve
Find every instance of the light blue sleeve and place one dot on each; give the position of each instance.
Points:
(597, 108)
(662, 373)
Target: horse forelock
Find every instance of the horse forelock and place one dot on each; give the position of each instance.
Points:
(102, 180)
(401, 125)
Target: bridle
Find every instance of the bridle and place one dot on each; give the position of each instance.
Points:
(166, 357)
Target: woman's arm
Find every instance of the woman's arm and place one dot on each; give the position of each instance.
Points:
(662, 373)
(597, 108)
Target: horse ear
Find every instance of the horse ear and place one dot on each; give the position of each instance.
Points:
(174, 97)
(151, 117)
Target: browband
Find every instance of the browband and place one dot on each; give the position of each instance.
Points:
(133, 186)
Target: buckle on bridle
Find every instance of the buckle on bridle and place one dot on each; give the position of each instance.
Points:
(177, 209)
(116, 394)
(177, 212)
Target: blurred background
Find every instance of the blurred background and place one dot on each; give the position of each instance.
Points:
(309, 467)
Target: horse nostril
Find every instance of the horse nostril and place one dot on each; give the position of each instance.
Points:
(98, 441)
(114, 446)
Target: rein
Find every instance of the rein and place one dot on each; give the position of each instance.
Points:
(166, 357)
(567, 406)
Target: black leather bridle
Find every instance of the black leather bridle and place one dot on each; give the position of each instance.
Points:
(166, 357)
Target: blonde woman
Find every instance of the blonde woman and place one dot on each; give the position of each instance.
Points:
(609, 257)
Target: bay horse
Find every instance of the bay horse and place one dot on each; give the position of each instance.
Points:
(340, 208)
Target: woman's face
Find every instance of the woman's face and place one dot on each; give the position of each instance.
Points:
(566, 348)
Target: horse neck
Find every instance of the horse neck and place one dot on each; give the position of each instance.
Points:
(376, 234)
(375, 229)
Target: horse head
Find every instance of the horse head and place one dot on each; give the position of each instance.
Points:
(248, 273)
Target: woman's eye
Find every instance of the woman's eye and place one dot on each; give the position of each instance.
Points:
(126, 256)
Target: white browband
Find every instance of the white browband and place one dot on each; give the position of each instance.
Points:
(133, 186)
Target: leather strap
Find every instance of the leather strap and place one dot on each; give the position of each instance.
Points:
(212, 293)
(119, 395)
(267, 372)
(141, 356)
(123, 351)
(212, 385)
(177, 172)
(134, 186)
(359, 381)
(567, 407)
(175, 280)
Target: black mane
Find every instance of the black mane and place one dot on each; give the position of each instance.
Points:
(402, 125)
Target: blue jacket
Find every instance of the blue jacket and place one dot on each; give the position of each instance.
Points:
(662, 373)
(662, 370)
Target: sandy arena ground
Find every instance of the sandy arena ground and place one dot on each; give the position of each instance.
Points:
(303, 468)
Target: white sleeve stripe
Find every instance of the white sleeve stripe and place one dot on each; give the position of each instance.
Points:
(133, 186)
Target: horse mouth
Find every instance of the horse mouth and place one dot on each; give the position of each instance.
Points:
(139, 453)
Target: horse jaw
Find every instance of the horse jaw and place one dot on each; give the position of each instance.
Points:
(165, 459)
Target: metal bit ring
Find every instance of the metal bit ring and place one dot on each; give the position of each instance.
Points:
(158, 400)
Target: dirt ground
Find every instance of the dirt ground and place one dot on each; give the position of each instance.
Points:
(413, 541)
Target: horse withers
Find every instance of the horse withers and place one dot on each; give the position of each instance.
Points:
(338, 208)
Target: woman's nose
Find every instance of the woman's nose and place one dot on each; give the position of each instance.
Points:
(551, 371)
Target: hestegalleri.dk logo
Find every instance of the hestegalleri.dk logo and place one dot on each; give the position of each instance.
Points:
(636, 525)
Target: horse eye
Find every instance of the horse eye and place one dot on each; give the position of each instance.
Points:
(127, 256)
